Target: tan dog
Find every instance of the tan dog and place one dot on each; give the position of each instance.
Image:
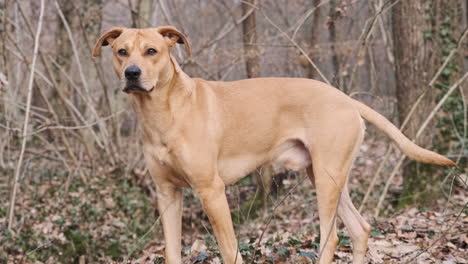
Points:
(206, 135)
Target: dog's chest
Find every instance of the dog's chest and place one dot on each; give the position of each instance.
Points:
(156, 146)
(159, 152)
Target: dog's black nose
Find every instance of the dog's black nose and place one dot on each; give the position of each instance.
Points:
(132, 73)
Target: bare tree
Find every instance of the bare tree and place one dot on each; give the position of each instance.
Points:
(314, 34)
(251, 53)
(333, 16)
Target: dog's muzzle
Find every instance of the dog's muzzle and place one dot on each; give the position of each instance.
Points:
(133, 74)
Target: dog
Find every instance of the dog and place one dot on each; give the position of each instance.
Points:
(207, 134)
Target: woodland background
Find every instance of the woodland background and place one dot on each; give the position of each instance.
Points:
(73, 185)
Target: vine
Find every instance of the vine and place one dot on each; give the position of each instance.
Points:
(452, 121)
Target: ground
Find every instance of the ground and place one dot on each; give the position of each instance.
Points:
(111, 219)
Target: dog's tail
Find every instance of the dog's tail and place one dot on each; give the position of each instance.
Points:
(407, 146)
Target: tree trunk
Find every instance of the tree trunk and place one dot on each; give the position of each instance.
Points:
(91, 18)
(3, 35)
(145, 13)
(251, 56)
(419, 49)
(251, 53)
(314, 34)
(64, 55)
(334, 16)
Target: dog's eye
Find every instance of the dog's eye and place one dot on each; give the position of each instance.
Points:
(151, 52)
(122, 52)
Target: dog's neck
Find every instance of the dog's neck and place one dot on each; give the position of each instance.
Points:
(159, 110)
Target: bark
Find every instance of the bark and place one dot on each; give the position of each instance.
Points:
(3, 34)
(145, 13)
(251, 53)
(64, 55)
(334, 16)
(91, 18)
(418, 53)
(314, 36)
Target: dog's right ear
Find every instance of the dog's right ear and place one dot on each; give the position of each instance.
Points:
(106, 39)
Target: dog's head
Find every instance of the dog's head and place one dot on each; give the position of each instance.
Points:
(141, 57)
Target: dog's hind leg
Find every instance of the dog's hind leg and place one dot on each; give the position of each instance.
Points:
(327, 197)
(358, 228)
(332, 150)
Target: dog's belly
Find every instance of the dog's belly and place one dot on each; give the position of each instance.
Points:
(291, 154)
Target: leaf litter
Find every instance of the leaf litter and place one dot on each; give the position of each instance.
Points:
(112, 219)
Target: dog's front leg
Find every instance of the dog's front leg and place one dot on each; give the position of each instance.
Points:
(213, 198)
(169, 199)
(170, 210)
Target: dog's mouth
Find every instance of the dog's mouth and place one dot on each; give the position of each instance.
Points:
(135, 88)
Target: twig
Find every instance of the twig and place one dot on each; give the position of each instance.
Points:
(461, 138)
(366, 33)
(375, 177)
(386, 39)
(26, 118)
(449, 57)
(265, 226)
(439, 105)
(88, 125)
(295, 44)
(444, 232)
(40, 247)
(305, 17)
(390, 149)
(223, 32)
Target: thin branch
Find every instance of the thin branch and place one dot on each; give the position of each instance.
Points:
(305, 17)
(367, 33)
(449, 57)
(265, 226)
(223, 33)
(294, 43)
(387, 155)
(26, 118)
(444, 233)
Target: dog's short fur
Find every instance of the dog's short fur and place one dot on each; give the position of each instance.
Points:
(206, 134)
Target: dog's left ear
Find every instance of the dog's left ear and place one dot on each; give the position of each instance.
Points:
(106, 39)
(173, 36)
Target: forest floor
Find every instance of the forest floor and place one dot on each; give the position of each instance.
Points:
(111, 219)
